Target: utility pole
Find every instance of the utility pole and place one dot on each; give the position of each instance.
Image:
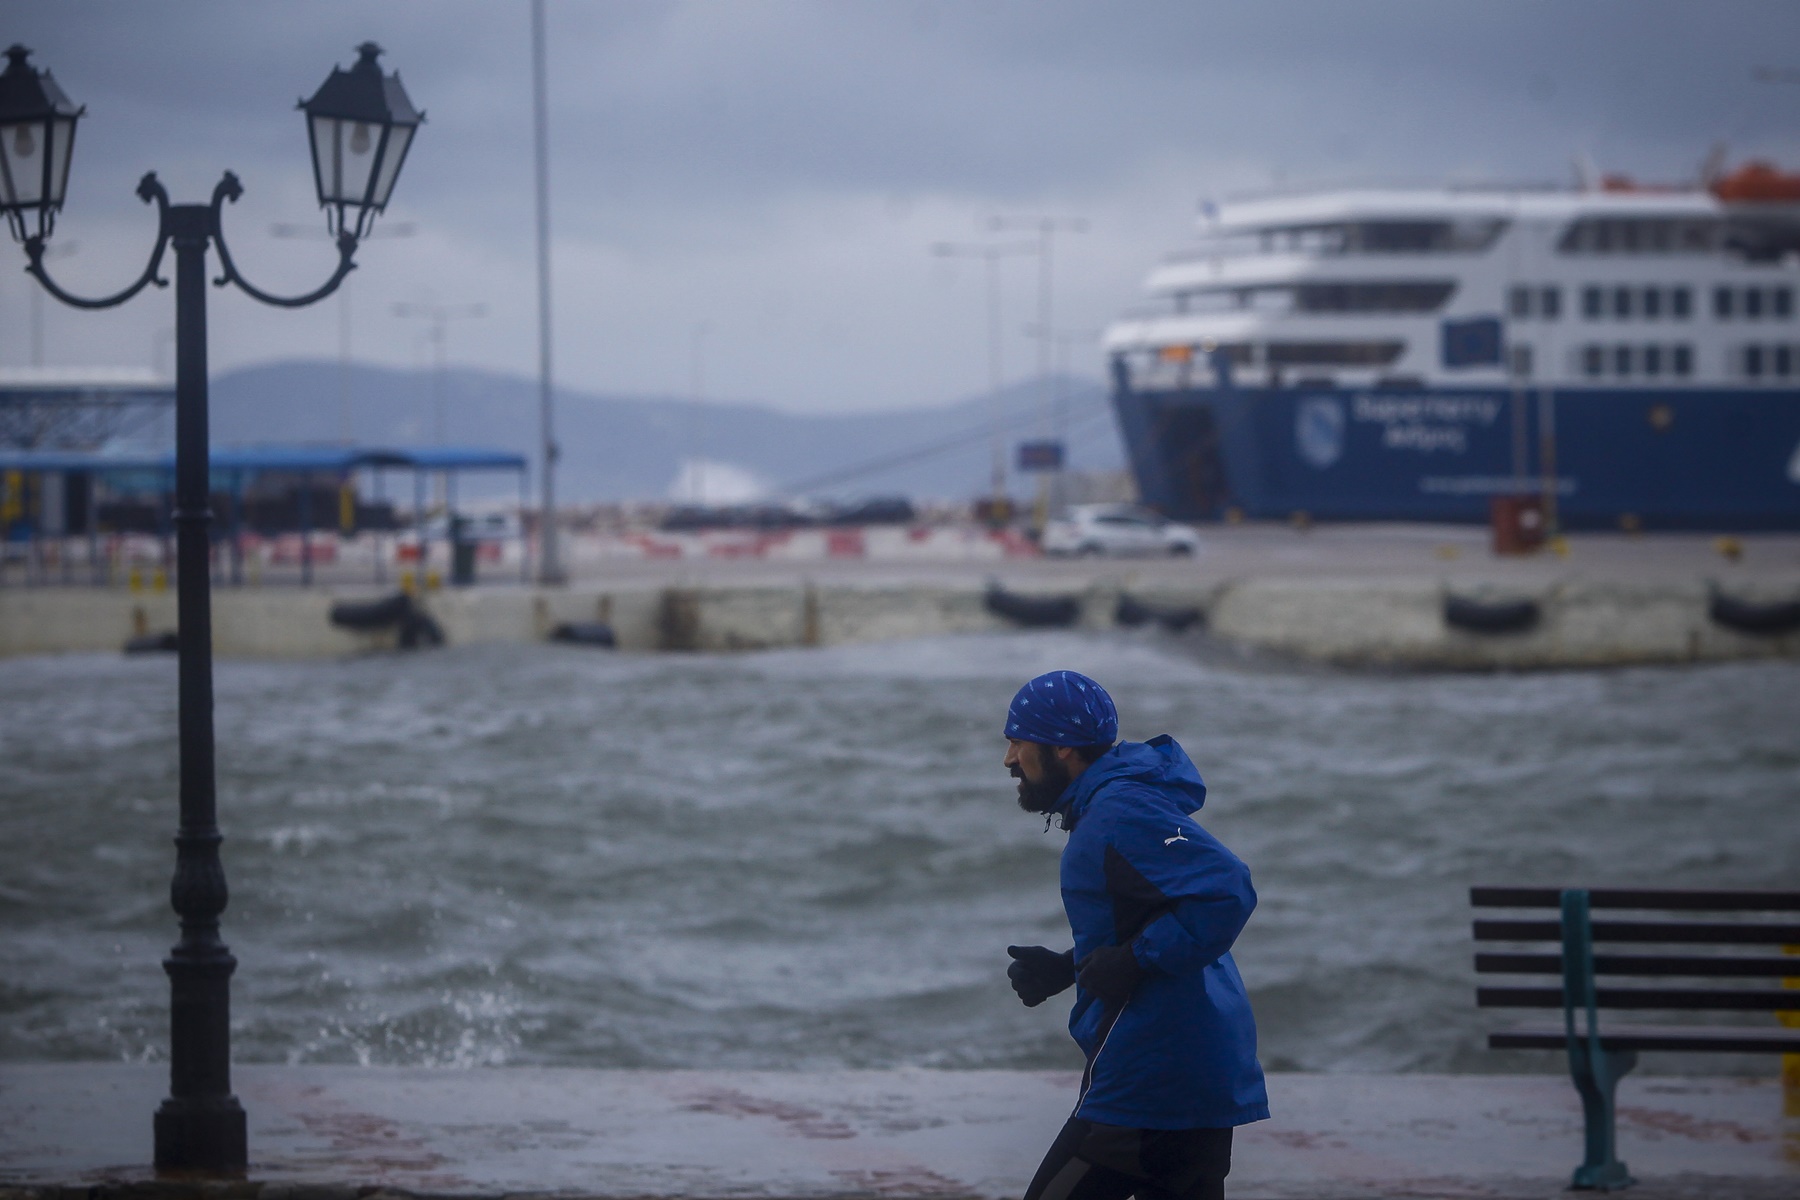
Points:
(990, 253)
(550, 569)
(1046, 229)
(403, 229)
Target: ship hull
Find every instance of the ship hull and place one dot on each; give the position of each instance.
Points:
(1701, 458)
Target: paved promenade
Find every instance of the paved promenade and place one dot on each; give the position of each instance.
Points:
(328, 1133)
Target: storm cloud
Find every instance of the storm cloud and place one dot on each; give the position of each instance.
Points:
(779, 171)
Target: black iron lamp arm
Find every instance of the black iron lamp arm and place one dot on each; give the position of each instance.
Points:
(150, 190)
(230, 189)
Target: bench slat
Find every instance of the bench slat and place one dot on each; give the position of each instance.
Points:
(1708, 932)
(1702, 1038)
(1668, 899)
(1714, 966)
(1711, 999)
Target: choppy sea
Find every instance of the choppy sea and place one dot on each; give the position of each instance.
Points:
(812, 858)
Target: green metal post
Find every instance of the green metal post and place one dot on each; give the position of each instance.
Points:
(1596, 1071)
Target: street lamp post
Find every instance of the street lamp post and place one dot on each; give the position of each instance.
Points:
(1046, 228)
(283, 229)
(991, 253)
(440, 316)
(360, 123)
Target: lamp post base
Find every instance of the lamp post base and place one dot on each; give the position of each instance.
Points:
(201, 1135)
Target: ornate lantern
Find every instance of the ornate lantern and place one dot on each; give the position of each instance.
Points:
(361, 124)
(37, 135)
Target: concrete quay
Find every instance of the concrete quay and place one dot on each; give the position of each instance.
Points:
(337, 1133)
(1371, 596)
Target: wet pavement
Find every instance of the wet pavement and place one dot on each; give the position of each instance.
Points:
(329, 1133)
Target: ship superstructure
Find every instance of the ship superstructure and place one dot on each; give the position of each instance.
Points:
(1408, 353)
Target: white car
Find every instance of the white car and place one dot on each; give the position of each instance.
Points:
(1117, 529)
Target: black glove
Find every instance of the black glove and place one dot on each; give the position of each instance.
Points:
(1111, 973)
(1038, 972)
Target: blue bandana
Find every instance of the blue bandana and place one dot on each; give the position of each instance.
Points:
(1063, 709)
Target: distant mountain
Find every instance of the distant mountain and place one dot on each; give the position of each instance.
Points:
(632, 447)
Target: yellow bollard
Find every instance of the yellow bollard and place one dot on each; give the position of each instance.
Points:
(407, 584)
(159, 580)
(12, 496)
(135, 580)
(433, 581)
(1559, 546)
(1790, 1063)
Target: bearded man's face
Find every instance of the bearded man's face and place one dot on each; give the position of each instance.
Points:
(1042, 776)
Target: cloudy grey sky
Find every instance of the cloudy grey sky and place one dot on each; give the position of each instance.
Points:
(777, 171)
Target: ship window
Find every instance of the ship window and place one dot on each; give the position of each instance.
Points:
(1638, 235)
(1722, 306)
(1679, 303)
(1269, 300)
(1621, 360)
(1652, 360)
(1753, 303)
(1681, 360)
(1783, 360)
(1239, 354)
(1781, 302)
(1593, 302)
(1652, 303)
(1519, 302)
(1621, 302)
(1372, 297)
(1753, 361)
(1398, 237)
(1593, 360)
(1334, 354)
(1550, 303)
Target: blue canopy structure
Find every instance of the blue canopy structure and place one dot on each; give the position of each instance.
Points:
(275, 458)
(234, 468)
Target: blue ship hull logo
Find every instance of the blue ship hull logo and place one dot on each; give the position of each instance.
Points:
(1639, 458)
(1319, 431)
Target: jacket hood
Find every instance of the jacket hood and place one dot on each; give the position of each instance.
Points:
(1159, 762)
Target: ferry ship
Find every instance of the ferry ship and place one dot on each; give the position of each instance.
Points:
(1629, 354)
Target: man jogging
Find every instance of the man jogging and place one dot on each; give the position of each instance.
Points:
(1155, 903)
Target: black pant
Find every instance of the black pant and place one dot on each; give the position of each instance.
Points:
(1090, 1161)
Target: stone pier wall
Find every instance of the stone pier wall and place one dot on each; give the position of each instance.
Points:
(1357, 622)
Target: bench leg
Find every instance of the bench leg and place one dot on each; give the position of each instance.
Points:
(1596, 1081)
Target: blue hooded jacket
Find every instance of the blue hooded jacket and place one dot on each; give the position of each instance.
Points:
(1139, 871)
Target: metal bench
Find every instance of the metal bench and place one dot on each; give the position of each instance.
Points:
(1696, 949)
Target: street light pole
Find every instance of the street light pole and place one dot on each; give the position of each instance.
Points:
(697, 411)
(990, 253)
(440, 316)
(550, 570)
(401, 230)
(63, 250)
(357, 120)
(1046, 228)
